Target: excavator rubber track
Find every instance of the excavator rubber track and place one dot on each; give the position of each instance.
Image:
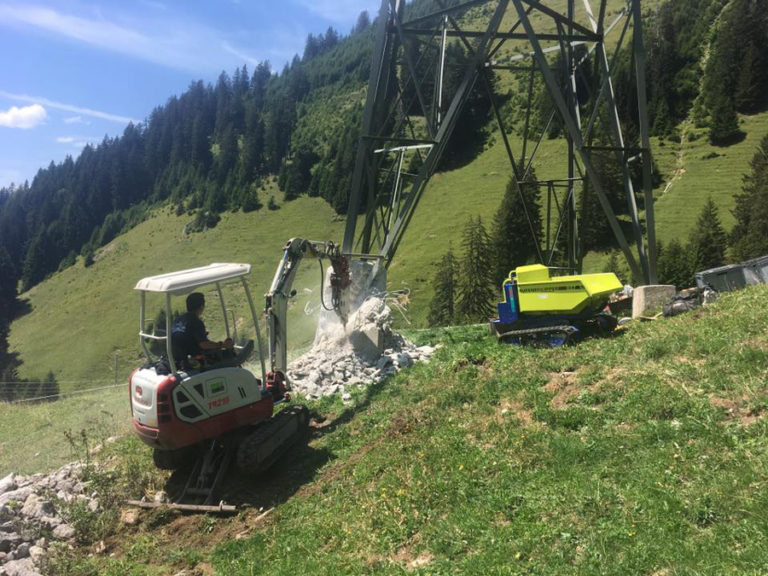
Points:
(260, 449)
(254, 453)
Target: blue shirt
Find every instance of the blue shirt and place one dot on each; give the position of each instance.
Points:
(186, 334)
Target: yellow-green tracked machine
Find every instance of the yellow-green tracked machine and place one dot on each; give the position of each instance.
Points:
(551, 310)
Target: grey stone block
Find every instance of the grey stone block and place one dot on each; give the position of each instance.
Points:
(650, 297)
(368, 343)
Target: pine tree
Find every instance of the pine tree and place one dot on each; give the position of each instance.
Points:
(618, 265)
(675, 264)
(442, 306)
(516, 229)
(708, 240)
(675, 37)
(749, 238)
(9, 378)
(595, 230)
(474, 289)
(88, 256)
(735, 79)
(228, 136)
(363, 22)
(35, 262)
(8, 280)
(724, 129)
(251, 200)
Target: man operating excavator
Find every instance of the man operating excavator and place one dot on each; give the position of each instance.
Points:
(189, 337)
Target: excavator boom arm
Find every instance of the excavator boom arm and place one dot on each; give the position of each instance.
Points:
(295, 250)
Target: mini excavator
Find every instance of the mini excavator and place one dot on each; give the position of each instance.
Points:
(207, 412)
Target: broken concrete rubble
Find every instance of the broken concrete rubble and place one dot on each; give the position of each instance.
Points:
(364, 351)
(31, 506)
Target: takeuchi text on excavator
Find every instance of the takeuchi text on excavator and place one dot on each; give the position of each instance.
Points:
(208, 411)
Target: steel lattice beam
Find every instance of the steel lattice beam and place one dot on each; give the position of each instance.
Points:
(403, 116)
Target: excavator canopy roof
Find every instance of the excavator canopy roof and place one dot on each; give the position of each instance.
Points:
(185, 281)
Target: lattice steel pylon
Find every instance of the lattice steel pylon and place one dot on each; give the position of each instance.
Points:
(411, 112)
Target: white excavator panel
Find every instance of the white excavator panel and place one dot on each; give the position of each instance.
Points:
(144, 384)
(214, 392)
(198, 396)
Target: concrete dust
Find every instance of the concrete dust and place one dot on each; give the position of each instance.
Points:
(364, 351)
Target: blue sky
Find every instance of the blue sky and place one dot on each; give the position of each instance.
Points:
(74, 71)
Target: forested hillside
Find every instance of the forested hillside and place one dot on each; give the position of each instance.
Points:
(215, 148)
(208, 150)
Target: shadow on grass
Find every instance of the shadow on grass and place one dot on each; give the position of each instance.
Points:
(295, 469)
(21, 308)
(729, 140)
(595, 333)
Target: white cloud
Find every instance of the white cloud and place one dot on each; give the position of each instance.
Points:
(24, 118)
(39, 101)
(241, 55)
(74, 141)
(76, 120)
(101, 33)
(341, 11)
(285, 43)
(168, 41)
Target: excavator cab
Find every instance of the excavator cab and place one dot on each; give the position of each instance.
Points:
(168, 291)
(204, 417)
(178, 402)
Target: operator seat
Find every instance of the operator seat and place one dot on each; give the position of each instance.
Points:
(237, 359)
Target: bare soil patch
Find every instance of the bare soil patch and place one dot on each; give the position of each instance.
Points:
(565, 386)
(737, 410)
(515, 406)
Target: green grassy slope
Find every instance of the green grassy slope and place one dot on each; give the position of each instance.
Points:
(448, 202)
(82, 317)
(640, 454)
(692, 171)
(33, 437)
(696, 170)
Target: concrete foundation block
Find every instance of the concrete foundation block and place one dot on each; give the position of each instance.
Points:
(646, 298)
(368, 343)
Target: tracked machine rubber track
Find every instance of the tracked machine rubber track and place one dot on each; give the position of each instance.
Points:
(258, 450)
(254, 453)
(552, 336)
